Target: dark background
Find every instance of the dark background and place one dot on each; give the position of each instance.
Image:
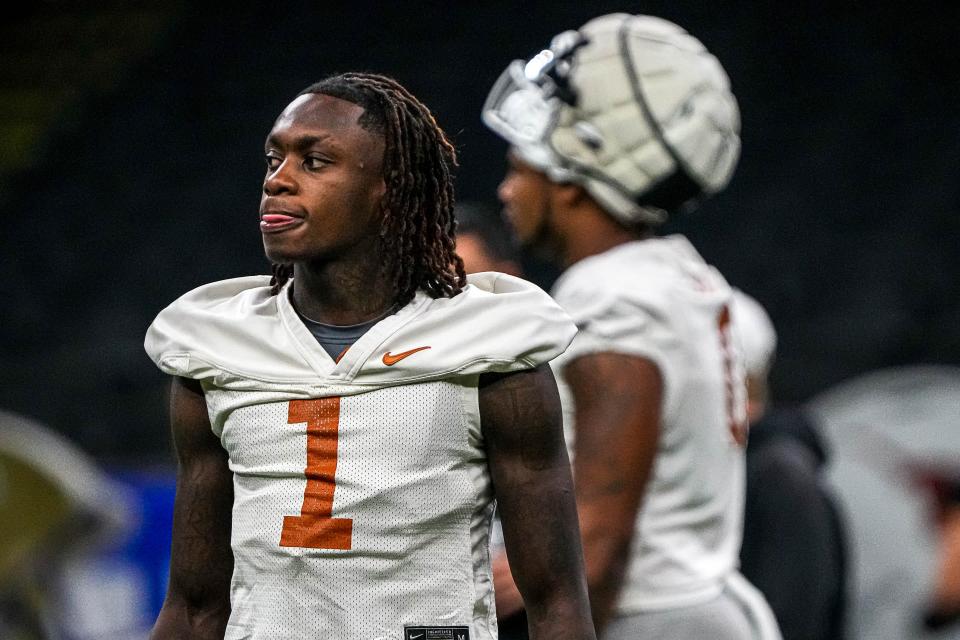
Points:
(131, 166)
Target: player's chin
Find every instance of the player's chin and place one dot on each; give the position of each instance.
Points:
(281, 250)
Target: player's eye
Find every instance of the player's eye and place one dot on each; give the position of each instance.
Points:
(273, 160)
(313, 162)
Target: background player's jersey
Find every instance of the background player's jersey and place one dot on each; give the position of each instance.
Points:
(658, 299)
(362, 498)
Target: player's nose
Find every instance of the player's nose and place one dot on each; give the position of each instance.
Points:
(505, 190)
(279, 180)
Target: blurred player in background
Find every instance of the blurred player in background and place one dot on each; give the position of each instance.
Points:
(58, 508)
(894, 447)
(483, 240)
(793, 541)
(615, 126)
(342, 425)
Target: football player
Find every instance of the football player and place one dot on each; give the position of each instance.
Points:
(612, 128)
(342, 427)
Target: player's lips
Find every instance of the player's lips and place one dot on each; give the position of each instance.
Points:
(275, 220)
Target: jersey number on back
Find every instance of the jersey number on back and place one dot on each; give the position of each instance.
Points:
(735, 420)
(315, 527)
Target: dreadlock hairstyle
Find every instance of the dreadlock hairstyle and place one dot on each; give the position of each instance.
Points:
(417, 234)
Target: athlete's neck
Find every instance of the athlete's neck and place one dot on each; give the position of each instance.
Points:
(341, 292)
(592, 232)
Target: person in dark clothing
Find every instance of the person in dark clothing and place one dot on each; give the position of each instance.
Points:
(793, 536)
(793, 540)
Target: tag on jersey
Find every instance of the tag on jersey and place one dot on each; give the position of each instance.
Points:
(436, 633)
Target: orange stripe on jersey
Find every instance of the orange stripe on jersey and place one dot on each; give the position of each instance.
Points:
(314, 527)
(342, 353)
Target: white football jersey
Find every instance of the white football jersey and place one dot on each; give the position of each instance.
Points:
(362, 498)
(659, 300)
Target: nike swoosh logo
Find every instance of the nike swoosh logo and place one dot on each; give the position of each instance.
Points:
(390, 359)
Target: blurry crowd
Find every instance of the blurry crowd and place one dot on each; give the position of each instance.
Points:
(851, 502)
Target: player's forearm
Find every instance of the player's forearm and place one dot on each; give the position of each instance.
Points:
(559, 607)
(549, 564)
(179, 620)
(563, 619)
(546, 611)
(554, 592)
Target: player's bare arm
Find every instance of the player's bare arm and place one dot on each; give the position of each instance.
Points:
(198, 598)
(521, 419)
(617, 399)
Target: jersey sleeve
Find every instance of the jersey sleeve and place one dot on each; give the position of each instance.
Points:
(519, 321)
(499, 323)
(613, 315)
(191, 337)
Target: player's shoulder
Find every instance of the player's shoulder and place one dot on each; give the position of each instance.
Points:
(659, 281)
(647, 269)
(236, 330)
(497, 323)
(223, 317)
(237, 292)
(498, 298)
(508, 293)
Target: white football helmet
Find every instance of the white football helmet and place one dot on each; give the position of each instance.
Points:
(633, 108)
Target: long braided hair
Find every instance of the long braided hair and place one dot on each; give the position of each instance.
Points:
(417, 234)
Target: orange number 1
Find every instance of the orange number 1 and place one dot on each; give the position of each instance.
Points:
(315, 527)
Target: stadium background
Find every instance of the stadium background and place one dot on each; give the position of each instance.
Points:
(130, 167)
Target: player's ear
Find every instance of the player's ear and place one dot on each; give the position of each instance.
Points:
(569, 194)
